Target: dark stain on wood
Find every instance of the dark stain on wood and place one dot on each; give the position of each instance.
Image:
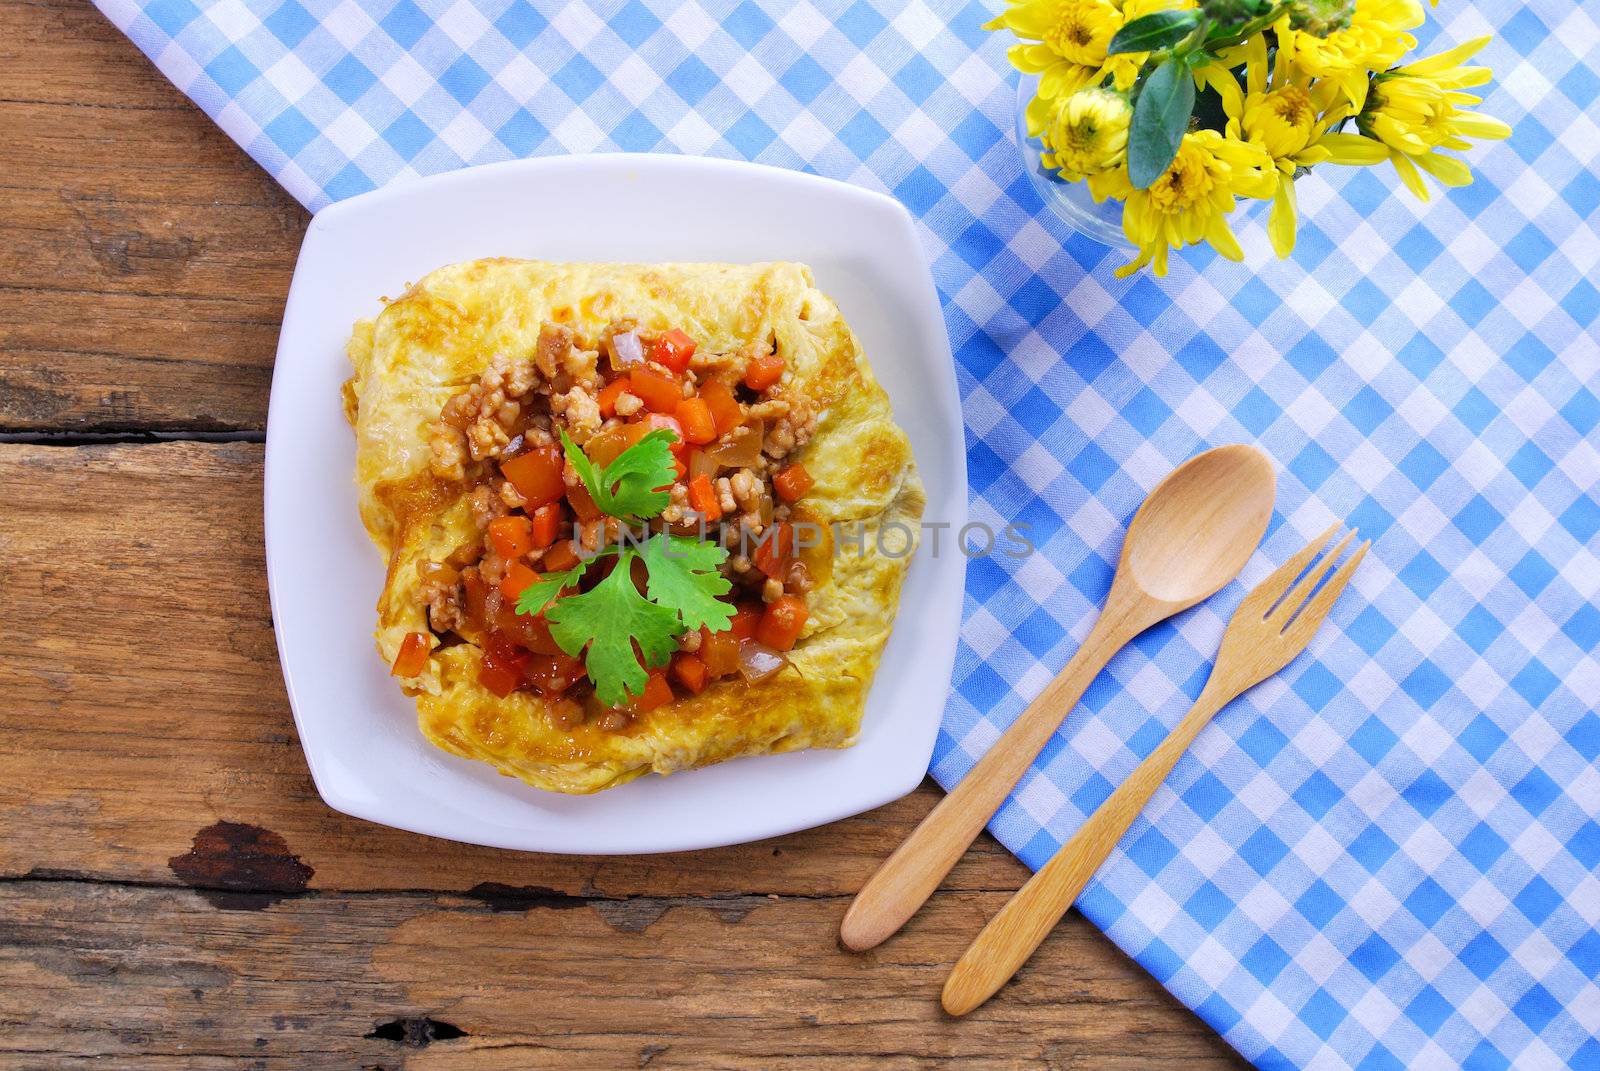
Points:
(241, 867)
(416, 1032)
(650, 1052)
(501, 897)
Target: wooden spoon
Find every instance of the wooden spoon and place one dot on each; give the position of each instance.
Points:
(1193, 534)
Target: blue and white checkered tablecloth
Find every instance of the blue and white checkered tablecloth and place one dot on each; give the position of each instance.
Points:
(1387, 856)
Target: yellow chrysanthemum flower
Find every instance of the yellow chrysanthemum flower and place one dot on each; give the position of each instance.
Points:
(1190, 202)
(1064, 42)
(1373, 40)
(1088, 133)
(1419, 108)
(1288, 115)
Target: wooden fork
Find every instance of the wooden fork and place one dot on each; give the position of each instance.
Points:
(1272, 625)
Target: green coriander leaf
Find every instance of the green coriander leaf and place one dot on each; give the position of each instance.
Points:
(609, 619)
(632, 487)
(682, 575)
(537, 595)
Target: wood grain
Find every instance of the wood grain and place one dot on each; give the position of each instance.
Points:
(144, 258)
(173, 894)
(110, 972)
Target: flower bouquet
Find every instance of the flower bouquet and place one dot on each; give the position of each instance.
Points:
(1176, 108)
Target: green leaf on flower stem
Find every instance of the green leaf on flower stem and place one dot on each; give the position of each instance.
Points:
(1159, 29)
(1160, 118)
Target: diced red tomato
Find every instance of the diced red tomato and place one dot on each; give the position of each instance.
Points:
(529, 631)
(744, 622)
(502, 664)
(512, 536)
(763, 371)
(518, 576)
(536, 475)
(719, 651)
(723, 405)
(500, 680)
(792, 481)
(560, 557)
(780, 626)
(609, 394)
(703, 498)
(775, 550)
(582, 503)
(413, 656)
(664, 422)
(699, 425)
(657, 693)
(546, 525)
(552, 674)
(689, 671)
(672, 349)
(659, 391)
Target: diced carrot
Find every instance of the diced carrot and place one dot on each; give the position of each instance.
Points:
(518, 576)
(672, 349)
(780, 626)
(659, 391)
(719, 651)
(723, 405)
(763, 371)
(744, 622)
(512, 536)
(689, 671)
(703, 498)
(657, 693)
(546, 525)
(775, 550)
(536, 475)
(699, 425)
(413, 656)
(583, 503)
(609, 395)
(792, 481)
(560, 557)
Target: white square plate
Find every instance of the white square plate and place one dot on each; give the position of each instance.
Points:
(359, 731)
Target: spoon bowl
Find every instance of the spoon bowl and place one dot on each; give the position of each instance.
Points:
(1199, 526)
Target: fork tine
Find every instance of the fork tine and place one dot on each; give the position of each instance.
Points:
(1291, 603)
(1309, 619)
(1268, 593)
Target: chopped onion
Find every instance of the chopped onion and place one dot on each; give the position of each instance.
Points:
(757, 661)
(625, 349)
(741, 449)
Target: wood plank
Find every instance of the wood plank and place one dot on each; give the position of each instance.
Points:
(144, 258)
(158, 978)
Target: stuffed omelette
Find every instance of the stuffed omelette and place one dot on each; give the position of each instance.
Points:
(636, 517)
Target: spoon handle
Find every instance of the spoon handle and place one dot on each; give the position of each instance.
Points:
(1026, 920)
(909, 876)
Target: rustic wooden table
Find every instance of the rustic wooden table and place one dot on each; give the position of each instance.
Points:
(172, 891)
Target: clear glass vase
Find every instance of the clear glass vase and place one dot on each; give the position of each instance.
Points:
(1071, 201)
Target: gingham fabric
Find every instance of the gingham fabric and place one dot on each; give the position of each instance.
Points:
(1386, 856)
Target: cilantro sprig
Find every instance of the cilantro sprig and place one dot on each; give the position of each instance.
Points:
(633, 486)
(613, 624)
